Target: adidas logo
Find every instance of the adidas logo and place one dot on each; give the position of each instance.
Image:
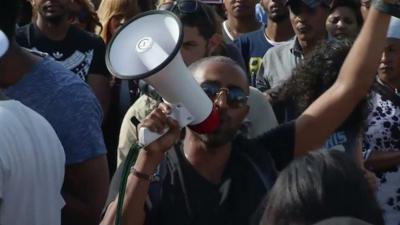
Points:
(58, 55)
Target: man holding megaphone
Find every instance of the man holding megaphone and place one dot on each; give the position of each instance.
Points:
(213, 182)
(201, 38)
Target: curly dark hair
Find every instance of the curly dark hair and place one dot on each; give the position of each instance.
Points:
(315, 75)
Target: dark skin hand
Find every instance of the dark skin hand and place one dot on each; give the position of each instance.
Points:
(381, 161)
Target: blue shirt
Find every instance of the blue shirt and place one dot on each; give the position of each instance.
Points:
(253, 47)
(68, 104)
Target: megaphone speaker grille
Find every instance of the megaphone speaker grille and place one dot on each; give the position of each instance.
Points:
(157, 31)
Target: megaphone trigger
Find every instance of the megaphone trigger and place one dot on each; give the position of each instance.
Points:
(178, 113)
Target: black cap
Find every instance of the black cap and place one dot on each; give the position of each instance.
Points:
(311, 3)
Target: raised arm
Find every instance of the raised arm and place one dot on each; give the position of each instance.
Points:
(148, 159)
(355, 78)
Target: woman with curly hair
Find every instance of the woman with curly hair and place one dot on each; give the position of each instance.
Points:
(310, 80)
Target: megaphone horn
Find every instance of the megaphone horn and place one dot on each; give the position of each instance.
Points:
(147, 47)
(4, 43)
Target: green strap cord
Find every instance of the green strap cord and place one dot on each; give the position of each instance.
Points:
(130, 159)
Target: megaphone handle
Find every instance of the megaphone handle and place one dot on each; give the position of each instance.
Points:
(178, 113)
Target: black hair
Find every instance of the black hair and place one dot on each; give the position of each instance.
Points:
(315, 75)
(353, 5)
(205, 19)
(9, 10)
(318, 186)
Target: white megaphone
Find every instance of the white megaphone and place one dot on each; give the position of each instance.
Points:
(4, 43)
(148, 47)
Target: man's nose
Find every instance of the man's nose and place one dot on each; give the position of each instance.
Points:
(384, 58)
(302, 17)
(340, 24)
(221, 100)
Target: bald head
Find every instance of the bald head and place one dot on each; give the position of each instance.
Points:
(220, 68)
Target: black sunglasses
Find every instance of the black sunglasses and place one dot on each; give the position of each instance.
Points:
(236, 97)
(184, 6)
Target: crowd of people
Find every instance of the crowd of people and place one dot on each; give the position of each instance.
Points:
(307, 93)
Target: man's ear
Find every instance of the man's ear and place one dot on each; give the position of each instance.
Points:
(214, 42)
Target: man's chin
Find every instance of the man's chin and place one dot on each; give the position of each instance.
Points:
(53, 18)
(278, 17)
(216, 140)
(305, 37)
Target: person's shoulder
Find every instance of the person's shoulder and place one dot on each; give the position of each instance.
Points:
(6, 112)
(278, 52)
(142, 107)
(55, 72)
(23, 30)
(251, 37)
(13, 112)
(56, 80)
(254, 34)
(282, 48)
(22, 35)
(87, 37)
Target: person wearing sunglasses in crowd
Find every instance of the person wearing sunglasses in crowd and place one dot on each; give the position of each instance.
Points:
(215, 183)
(200, 39)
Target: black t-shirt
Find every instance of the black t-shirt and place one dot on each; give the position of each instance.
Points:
(81, 52)
(237, 197)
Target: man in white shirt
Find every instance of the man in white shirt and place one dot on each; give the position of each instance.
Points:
(31, 164)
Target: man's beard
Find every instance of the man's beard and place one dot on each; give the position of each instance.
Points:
(278, 18)
(219, 139)
(223, 135)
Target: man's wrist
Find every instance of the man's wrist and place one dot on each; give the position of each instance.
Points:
(148, 161)
(144, 176)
